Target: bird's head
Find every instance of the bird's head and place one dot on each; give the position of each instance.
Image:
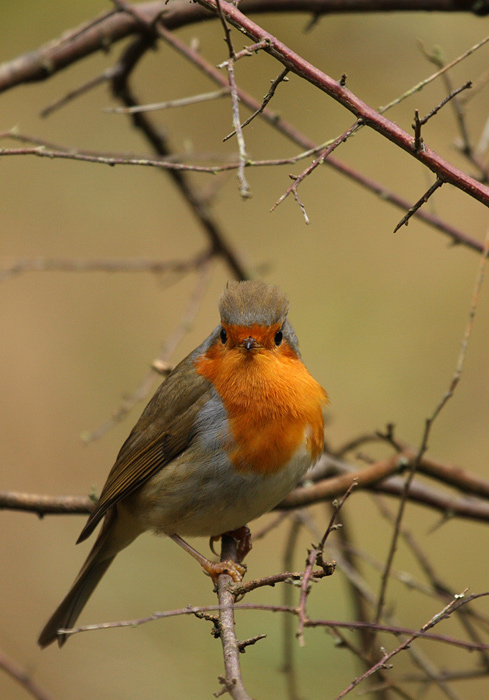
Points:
(254, 320)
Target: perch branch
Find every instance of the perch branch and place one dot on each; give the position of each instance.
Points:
(232, 681)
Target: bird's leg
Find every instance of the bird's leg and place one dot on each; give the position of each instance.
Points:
(235, 570)
(242, 537)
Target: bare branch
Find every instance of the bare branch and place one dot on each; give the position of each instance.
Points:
(170, 104)
(46, 505)
(24, 265)
(341, 94)
(23, 677)
(412, 210)
(303, 141)
(232, 681)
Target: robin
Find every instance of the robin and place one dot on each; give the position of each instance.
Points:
(226, 436)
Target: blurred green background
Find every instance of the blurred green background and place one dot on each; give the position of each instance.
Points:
(380, 318)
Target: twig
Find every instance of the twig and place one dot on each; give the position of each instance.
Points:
(24, 265)
(376, 477)
(244, 188)
(418, 123)
(357, 599)
(104, 77)
(23, 677)
(440, 588)
(465, 146)
(318, 161)
(245, 51)
(201, 211)
(289, 667)
(351, 102)
(419, 86)
(310, 623)
(275, 83)
(383, 662)
(170, 104)
(240, 589)
(359, 583)
(46, 505)
(412, 210)
(316, 556)
(447, 99)
(290, 132)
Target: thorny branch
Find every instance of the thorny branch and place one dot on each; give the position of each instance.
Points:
(296, 64)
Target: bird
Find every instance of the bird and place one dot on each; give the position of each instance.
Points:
(226, 436)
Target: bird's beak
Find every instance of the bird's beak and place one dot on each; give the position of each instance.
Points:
(249, 343)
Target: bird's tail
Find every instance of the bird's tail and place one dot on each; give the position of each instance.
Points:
(103, 552)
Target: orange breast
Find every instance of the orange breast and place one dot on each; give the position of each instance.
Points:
(272, 402)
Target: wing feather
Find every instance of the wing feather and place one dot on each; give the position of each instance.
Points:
(164, 430)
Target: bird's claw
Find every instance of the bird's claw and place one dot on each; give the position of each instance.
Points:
(232, 568)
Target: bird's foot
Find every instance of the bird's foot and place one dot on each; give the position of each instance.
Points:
(214, 569)
(232, 568)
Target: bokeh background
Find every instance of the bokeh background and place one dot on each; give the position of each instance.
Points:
(380, 318)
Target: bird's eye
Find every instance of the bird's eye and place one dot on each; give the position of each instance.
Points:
(278, 337)
(223, 336)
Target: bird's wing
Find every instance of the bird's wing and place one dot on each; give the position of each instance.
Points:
(165, 429)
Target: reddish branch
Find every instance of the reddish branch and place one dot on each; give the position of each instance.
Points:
(339, 92)
(289, 131)
(111, 27)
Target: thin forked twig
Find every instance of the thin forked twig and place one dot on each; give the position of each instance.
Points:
(419, 122)
(318, 161)
(316, 556)
(429, 424)
(170, 104)
(419, 86)
(422, 200)
(244, 188)
(386, 657)
(275, 83)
